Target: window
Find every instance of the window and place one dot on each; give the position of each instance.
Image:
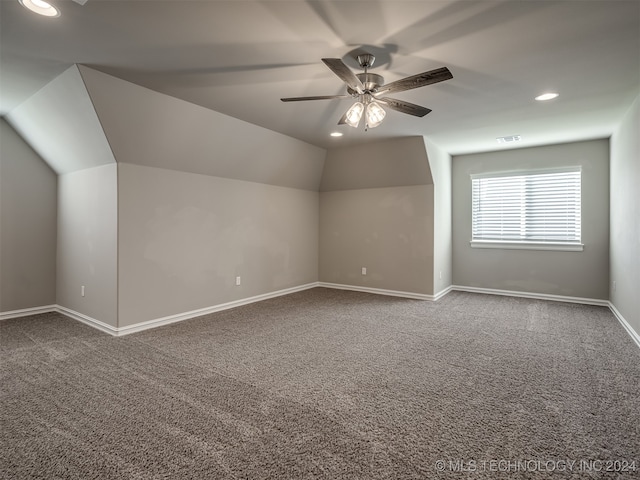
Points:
(532, 210)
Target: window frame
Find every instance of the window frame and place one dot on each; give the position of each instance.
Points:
(574, 246)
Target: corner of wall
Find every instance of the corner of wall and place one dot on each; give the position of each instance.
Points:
(87, 244)
(440, 165)
(624, 218)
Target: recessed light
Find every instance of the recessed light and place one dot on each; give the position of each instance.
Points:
(509, 139)
(546, 96)
(336, 134)
(40, 7)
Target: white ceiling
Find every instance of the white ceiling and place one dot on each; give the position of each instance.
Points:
(241, 57)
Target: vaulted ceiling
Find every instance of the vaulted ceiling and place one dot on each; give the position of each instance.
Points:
(240, 57)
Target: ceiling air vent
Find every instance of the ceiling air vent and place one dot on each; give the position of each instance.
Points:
(509, 139)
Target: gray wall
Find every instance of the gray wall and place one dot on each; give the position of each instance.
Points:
(27, 225)
(184, 238)
(577, 274)
(376, 211)
(625, 217)
(87, 242)
(440, 163)
(387, 230)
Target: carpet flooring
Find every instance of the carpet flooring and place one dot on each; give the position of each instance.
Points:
(327, 384)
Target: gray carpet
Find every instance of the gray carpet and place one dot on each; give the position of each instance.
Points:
(326, 384)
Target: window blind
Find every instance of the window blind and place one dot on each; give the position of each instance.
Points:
(527, 207)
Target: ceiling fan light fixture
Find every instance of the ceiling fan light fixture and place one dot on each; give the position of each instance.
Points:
(40, 7)
(375, 114)
(354, 114)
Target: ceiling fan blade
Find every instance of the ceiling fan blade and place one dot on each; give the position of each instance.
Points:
(415, 81)
(323, 97)
(338, 67)
(404, 107)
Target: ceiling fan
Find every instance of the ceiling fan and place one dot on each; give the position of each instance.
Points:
(368, 89)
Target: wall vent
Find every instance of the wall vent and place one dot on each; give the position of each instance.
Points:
(509, 139)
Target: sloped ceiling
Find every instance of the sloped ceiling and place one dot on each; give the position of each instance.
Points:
(240, 57)
(388, 163)
(60, 123)
(155, 130)
(85, 118)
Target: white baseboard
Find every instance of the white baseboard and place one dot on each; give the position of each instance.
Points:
(557, 298)
(538, 296)
(442, 293)
(379, 291)
(634, 335)
(138, 327)
(25, 312)
(92, 322)
(60, 309)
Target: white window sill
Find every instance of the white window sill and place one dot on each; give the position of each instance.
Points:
(565, 247)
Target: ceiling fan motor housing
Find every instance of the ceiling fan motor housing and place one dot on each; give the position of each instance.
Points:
(371, 82)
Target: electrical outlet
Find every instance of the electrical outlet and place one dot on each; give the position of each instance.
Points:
(238, 281)
(364, 270)
(82, 290)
